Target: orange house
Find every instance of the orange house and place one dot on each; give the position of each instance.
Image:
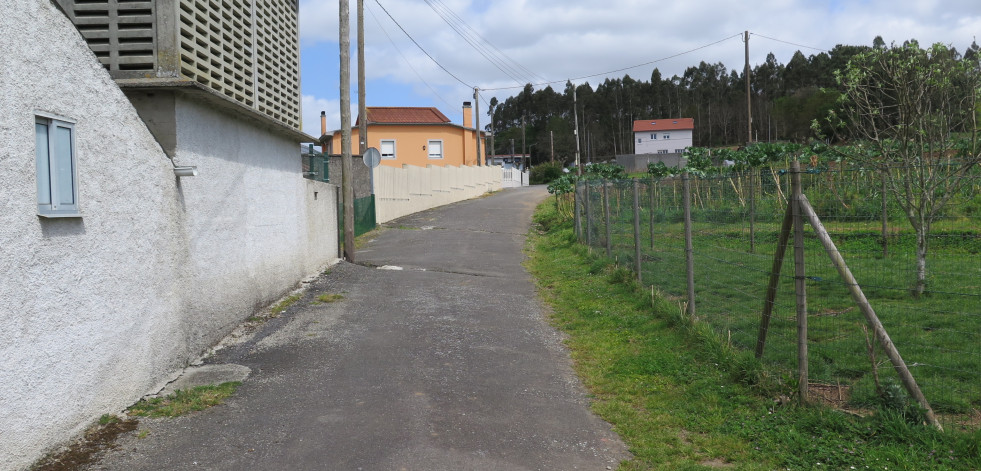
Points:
(416, 136)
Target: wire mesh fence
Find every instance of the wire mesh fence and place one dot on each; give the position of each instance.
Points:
(929, 306)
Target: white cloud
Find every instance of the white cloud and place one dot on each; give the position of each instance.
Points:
(312, 106)
(562, 39)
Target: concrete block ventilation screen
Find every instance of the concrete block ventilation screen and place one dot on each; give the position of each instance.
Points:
(247, 50)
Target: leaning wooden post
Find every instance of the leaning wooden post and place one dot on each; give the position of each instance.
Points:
(606, 216)
(650, 208)
(637, 261)
(771, 288)
(863, 304)
(576, 202)
(689, 253)
(589, 215)
(800, 287)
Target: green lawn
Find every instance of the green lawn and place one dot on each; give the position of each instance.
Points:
(678, 392)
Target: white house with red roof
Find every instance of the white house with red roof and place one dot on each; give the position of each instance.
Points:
(663, 136)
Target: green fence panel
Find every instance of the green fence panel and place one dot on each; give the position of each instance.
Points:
(364, 216)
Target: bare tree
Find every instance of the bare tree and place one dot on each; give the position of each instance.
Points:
(914, 113)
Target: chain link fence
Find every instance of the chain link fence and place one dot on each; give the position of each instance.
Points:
(721, 274)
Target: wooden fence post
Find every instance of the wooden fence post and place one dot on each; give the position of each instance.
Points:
(752, 212)
(576, 201)
(689, 255)
(650, 208)
(863, 304)
(606, 216)
(800, 287)
(771, 288)
(637, 261)
(589, 216)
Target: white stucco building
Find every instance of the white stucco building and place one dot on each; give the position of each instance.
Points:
(116, 271)
(663, 136)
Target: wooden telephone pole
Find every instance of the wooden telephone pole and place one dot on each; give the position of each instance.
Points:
(347, 188)
(362, 103)
(476, 117)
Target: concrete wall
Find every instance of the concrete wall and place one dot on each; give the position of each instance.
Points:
(81, 299)
(246, 218)
(360, 178)
(102, 309)
(638, 162)
(410, 189)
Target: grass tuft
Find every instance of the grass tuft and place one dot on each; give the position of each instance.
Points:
(285, 304)
(328, 298)
(184, 401)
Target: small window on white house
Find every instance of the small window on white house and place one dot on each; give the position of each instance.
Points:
(57, 185)
(388, 149)
(666, 136)
(679, 151)
(638, 140)
(653, 136)
(435, 149)
(662, 151)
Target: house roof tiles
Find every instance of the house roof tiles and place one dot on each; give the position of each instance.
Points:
(675, 124)
(405, 115)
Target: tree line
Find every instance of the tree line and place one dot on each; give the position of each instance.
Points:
(786, 101)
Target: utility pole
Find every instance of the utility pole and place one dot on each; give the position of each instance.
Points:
(362, 101)
(749, 106)
(493, 148)
(347, 189)
(551, 145)
(523, 155)
(476, 115)
(575, 117)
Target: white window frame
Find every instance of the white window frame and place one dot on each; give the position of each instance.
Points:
(429, 148)
(381, 145)
(666, 136)
(654, 137)
(662, 151)
(51, 202)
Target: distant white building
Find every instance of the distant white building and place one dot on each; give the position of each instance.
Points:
(663, 136)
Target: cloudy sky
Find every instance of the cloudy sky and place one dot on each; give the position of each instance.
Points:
(552, 40)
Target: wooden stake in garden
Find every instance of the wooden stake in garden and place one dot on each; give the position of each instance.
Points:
(606, 219)
(800, 285)
(637, 261)
(689, 252)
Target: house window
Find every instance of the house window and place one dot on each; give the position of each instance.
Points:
(666, 136)
(388, 149)
(57, 185)
(662, 151)
(654, 137)
(638, 140)
(679, 151)
(435, 149)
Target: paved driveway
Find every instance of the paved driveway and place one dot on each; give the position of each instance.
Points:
(440, 360)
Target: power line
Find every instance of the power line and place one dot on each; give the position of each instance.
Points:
(499, 53)
(454, 24)
(788, 42)
(407, 62)
(623, 68)
(421, 48)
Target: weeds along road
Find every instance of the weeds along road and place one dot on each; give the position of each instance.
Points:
(441, 359)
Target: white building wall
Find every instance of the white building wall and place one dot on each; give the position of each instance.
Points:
(410, 189)
(644, 144)
(246, 218)
(103, 309)
(91, 306)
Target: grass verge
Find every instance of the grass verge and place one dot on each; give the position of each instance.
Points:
(184, 401)
(682, 398)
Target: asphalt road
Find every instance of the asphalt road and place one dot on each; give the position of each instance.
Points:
(438, 357)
